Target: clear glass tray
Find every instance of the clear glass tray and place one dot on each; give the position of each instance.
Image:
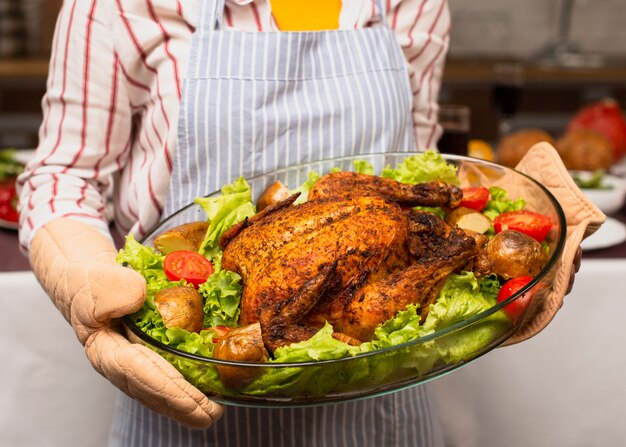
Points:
(383, 371)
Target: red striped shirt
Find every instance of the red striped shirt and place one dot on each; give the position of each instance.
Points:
(114, 90)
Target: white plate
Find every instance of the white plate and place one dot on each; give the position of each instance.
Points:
(611, 233)
(609, 200)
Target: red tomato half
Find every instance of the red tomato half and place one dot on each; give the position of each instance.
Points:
(188, 265)
(533, 224)
(515, 308)
(475, 197)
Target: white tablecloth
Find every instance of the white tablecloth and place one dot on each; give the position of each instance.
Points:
(50, 394)
(564, 387)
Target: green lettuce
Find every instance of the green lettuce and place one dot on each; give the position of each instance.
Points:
(9, 167)
(423, 167)
(304, 188)
(499, 203)
(150, 322)
(224, 211)
(146, 261)
(222, 294)
(363, 167)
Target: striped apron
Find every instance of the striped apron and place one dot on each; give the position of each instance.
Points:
(255, 102)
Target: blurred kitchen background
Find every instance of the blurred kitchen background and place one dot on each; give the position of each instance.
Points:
(573, 52)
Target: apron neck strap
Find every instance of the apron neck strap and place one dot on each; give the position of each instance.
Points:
(211, 13)
(382, 8)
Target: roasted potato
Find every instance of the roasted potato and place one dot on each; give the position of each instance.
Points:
(467, 219)
(188, 236)
(244, 344)
(274, 193)
(181, 307)
(515, 254)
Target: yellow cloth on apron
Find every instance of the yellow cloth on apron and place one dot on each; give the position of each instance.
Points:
(306, 15)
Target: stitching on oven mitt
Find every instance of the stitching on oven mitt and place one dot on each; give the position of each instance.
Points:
(543, 163)
(76, 266)
(145, 376)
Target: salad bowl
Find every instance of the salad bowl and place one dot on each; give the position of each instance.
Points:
(322, 370)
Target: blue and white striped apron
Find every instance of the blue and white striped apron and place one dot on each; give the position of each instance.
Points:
(255, 102)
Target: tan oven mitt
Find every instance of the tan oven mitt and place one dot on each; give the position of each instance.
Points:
(542, 162)
(76, 266)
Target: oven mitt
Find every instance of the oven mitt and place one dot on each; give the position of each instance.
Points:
(76, 266)
(542, 162)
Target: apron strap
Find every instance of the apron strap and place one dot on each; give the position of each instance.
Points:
(211, 11)
(382, 8)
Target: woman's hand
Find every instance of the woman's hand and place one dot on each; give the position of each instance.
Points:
(76, 266)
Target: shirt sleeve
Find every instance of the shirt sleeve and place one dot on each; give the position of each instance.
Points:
(422, 28)
(86, 125)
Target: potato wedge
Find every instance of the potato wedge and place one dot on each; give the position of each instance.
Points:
(181, 307)
(469, 220)
(275, 192)
(188, 236)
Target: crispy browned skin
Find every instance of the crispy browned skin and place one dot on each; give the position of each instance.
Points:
(351, 259)
(351, 184)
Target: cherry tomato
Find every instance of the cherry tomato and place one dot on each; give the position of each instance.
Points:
(475, 197)
(533, 224)
(516, 307)
(188, 265)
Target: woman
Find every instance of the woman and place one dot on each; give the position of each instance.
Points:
(164, 101)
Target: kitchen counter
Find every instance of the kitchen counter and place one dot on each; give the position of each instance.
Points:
(457, 70)
(481, 71)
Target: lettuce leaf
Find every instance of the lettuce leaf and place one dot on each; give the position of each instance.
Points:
(224, 211)
(303, 189)
(500, 203)
(363, 167)
(146, 261)
(222, 294)
(424, 167)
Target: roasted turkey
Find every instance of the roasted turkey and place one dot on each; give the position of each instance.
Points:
(354, 254)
